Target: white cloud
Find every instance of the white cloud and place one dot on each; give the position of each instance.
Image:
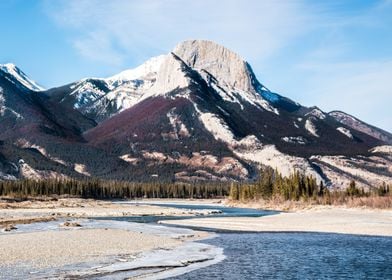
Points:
(255, 28)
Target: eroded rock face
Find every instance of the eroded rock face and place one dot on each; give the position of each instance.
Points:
(226, 66)
(171, 76)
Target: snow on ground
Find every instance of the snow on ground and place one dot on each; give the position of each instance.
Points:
(345, 131)
(311, 128)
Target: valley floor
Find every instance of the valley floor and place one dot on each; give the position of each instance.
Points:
(58, 238)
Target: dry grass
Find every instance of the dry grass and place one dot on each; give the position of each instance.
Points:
(377, 202)
(278, 203)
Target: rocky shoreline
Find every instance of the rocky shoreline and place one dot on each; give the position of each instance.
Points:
(53, 239)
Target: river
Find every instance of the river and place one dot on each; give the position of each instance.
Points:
(289, 255)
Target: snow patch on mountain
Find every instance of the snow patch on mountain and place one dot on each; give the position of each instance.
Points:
(123, 97)
(235, 95)
(145, 70)
(4, 109)
(117, 93)
(386, 149)
(345, 131)
(28, 172)
(20, 76)
(311, 128)
(128, 158)
(316, 113)
(294, 140)
(81, 169)
(356, 168)
(178, 126)
(23, 143)
(256, 100)
(218, 128)
(86, 93)
(251, 149)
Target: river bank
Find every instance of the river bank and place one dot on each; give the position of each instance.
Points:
(324, 219)
(13, 212)
(61, 238)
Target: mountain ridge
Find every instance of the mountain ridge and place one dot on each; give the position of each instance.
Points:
(200, 113)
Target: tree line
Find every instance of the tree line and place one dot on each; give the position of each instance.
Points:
(104, 189)
(295, 187)
(271, 184)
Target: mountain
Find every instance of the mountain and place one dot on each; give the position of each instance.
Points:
(36, 132)
(200, 113)
(99, 99)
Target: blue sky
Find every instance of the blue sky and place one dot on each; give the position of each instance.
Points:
(333, 54)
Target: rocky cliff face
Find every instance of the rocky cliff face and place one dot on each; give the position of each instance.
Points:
(227, 67)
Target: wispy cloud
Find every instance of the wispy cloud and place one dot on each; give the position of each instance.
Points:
(137, 28)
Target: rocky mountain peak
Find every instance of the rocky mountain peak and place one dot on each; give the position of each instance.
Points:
(225, 65)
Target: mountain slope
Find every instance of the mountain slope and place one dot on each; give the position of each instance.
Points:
(359, 125)
(31, 127)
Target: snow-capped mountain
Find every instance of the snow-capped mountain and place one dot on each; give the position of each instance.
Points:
(101, 98)
(17, 75)
(200, 113)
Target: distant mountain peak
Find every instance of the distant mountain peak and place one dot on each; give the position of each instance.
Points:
(20, 76)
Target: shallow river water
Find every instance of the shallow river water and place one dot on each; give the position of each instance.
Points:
(293, 255)
(299, 256)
